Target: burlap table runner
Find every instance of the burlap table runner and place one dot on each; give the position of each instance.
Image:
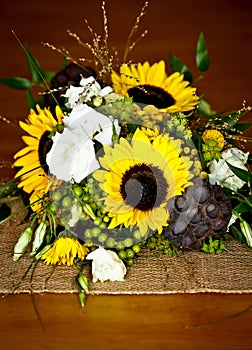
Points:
(191, 272)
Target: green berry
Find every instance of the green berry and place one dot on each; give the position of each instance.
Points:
(67, 202)
(122, 254)
(88, 233)
(106, 219)
(96, 231)
(98, 221)
(102, 237)
(103, 225)
(77, 191)
(130, 262)
(129, 253)
(120, 246)
(110, 242)
(128, 242)
(137, 235)
(53, 207)
(136, 248)
(56, 196)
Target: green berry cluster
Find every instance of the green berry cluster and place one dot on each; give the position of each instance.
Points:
(126, 247)
(213, 246)
(162, 244)
(211, 150)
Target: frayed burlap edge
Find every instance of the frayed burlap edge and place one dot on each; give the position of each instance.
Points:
(193, 272)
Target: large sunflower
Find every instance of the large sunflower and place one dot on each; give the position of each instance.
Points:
(151, 85)
(139, 177)
(32, 158)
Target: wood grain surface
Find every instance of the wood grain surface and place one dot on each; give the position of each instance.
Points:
(202, 321)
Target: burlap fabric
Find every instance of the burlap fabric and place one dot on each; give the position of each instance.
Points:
(191, 272)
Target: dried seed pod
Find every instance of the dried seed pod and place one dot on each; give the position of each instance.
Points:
(202, 211)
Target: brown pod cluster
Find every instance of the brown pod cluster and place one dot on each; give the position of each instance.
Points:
(202, 211)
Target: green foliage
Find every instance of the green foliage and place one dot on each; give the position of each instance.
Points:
(34, 67)
(161, 243)
(31, 102)
(205, 110)
(213, 246)
(244, 175)
(38, 77)
(202, 59)
(178, 66)
(17, 83)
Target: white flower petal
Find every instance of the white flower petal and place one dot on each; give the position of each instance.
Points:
(106, 265)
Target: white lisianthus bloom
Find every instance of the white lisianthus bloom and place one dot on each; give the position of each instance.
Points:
(106, 265)
(88, 88)
(111, 98)
(222, 175)
(91, 123)
(72, 156)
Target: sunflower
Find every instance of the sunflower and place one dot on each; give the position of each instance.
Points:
(64, 251)
(151, 85)
(139, 177)
(32, 158)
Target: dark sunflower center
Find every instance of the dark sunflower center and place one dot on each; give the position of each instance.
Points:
(143, 188)
(45, 144)
(151, 95)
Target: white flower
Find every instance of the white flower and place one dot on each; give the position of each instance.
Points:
(106, 265)
(83, 93)
(221, 174)
(89, 122)
(111, 98)
(72, 155)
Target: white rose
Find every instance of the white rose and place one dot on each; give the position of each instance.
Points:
(106, 265)
(88, 88)
(221, 174)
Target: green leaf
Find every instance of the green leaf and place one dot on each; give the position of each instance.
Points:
(242, 208)
(205, 109)
(34, 67)
(242, 126)
(244, 175)
(237, 234)
(5, 212)
(202, 59)
(17, 83)
(64, 63)
(178, 66)
(231, 119)
(31, 102)
(48, 76)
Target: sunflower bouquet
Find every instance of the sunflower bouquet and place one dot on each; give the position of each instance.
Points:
(122, 156)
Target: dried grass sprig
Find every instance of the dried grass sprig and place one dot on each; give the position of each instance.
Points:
(131, 44)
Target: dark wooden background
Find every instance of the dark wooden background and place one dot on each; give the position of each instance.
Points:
(120, 322)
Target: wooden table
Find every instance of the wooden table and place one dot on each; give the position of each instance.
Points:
(185, 321)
